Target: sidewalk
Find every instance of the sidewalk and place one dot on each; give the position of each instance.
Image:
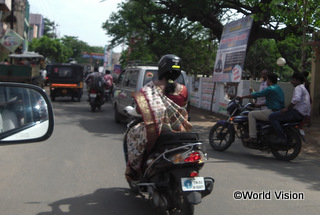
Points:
(310, 148)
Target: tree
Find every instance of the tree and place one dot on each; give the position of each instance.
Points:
(150, 34)
(273, 19)
(52, 49)
(77, 46)
(49, 28)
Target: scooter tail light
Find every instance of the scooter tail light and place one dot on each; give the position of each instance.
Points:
(194, 174)
(189, 157)
(194, 157)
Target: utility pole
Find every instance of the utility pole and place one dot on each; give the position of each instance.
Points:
(12, 14)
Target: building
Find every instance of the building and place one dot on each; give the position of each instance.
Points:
(36, 22)
(14, 14)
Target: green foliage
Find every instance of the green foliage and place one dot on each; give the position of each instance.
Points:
(49, 29)
(150, 34)
(263, 54)
(52, 49)
(77, 46)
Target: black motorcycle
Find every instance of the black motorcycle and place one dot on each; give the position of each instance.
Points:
(96, 99)
(171, 172)
(223, 133)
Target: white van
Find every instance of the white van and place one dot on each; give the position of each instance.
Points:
(131, 80)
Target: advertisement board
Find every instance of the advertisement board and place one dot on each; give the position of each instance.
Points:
(232, 51)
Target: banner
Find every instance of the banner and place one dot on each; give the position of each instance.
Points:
(107, 56)
(117, 69)
(232, 51)
(11, 40)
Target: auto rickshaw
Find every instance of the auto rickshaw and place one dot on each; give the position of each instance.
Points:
(66, 80)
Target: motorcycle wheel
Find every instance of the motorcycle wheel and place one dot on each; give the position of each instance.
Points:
(289, 150)
(182, 206)
(93, 107)
(221, 141)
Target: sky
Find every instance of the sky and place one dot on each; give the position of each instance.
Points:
(80, 18)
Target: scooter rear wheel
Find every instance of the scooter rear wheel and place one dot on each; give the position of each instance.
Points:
(93, 108)
(182, 206)
(290, 150)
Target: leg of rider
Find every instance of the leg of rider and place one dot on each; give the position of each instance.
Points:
(252, 124)
(289, 116)
(274, 119)
(253, 116)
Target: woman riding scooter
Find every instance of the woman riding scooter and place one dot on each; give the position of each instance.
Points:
(162, 105)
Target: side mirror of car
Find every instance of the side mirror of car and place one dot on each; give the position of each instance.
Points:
(26, 114)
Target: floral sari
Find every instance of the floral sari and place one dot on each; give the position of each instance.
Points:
(160, 114)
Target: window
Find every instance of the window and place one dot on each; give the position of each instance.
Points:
(150, 75)
(63, 71)
(127, 78)
(134, 78)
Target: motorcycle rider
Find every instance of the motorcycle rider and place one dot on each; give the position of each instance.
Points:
(261, 101)
(274, 102)
(109, 81)
(297, 110)
(162, 107)
(96, 82)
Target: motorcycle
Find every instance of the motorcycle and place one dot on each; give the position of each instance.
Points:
(96, 99)
(223, 133)
(108, 93)
(171, 172)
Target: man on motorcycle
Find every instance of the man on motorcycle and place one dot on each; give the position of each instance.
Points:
(109, 82)
(261, 101)
(162, 107)
(274, 102)
(95, 81)
(298, 108)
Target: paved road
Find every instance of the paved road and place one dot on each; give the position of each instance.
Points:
(79, 171)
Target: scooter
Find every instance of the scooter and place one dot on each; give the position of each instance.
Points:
(96, 99)
(171, 176)
(223, 133)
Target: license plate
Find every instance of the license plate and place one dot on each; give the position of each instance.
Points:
(107, 91)
(93, 95)
(194, 183)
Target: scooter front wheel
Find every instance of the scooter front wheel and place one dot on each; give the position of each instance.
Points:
(221, 136)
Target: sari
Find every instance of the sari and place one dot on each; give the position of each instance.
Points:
(160, 114)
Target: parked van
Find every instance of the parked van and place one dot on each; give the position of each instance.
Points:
(131, 80)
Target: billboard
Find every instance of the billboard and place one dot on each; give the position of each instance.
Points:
(232, 51)
(11, 40)
(108, 56)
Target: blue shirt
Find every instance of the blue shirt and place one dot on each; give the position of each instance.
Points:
(274, 97)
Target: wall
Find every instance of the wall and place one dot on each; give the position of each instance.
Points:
(203, 97)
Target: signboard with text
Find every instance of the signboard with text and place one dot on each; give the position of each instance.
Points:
(232, 51)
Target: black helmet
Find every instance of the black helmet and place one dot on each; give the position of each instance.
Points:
(169, 67)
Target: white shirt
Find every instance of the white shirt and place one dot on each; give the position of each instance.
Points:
(301, 100)
(262, 100)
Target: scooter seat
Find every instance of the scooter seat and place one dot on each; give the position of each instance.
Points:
(176, 138)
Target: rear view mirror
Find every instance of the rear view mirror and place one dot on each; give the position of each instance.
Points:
(26, 114)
